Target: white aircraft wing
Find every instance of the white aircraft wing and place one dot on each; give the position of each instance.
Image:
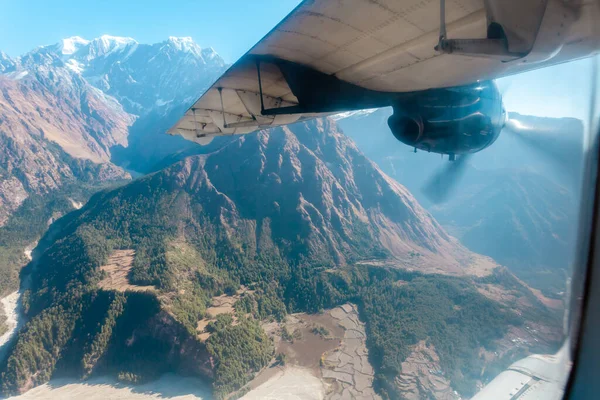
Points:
(386, 46)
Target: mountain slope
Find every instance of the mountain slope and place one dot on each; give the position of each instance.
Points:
(306, 181)
(6, 63)
(280, 218)
(538, 236)
(55, 128)
(84, 97)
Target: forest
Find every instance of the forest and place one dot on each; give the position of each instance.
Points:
(78, 330)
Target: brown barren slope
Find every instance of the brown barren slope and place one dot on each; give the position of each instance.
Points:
(117, 273)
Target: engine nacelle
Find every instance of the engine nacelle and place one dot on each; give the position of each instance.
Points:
(456, 120)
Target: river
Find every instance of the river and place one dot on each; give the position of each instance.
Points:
(11, 306)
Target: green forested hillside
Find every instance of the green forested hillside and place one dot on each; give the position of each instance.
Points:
(268, 213)
(448, 313)
(30, 222)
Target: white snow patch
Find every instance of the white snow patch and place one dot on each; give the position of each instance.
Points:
(210, 53)
(72, 44)
(17, 75)
(116, 40)
(182, 43)
(347, 114)
(185, 44)
(75, 66)
(132, 49)
(106, 45)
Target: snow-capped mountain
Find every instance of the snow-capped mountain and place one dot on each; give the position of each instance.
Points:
(108, 100)
(142, 77)
(70, 45)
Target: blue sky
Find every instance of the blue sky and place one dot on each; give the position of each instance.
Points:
(231, 27)
(562, 90)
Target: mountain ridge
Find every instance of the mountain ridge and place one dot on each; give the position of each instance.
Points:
(77, 94)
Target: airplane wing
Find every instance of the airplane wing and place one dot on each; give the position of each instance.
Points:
(365, 49)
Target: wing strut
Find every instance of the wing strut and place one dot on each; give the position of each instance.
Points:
(222, 108)
(198, 134)
(262, 104)
(494, 46)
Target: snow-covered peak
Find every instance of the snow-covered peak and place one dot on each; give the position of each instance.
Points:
(106, 44)
(4, 56)
(181, 42)
(70, 45)
(348, 114)
(141, 77)
(184, 44)
(116, 40)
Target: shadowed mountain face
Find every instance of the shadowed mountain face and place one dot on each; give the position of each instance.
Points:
(522, 220)
(304, 191)
(516, 203)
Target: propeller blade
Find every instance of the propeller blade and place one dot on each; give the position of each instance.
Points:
(443, 182)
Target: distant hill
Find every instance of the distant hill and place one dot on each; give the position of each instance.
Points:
(520, 219)
(515, 203)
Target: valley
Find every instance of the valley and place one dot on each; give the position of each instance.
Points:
(69, 112)
(170, 231)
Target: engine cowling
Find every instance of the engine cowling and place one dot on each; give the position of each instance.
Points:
(456, 120)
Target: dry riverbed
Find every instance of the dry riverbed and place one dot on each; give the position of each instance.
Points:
(169, 386)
